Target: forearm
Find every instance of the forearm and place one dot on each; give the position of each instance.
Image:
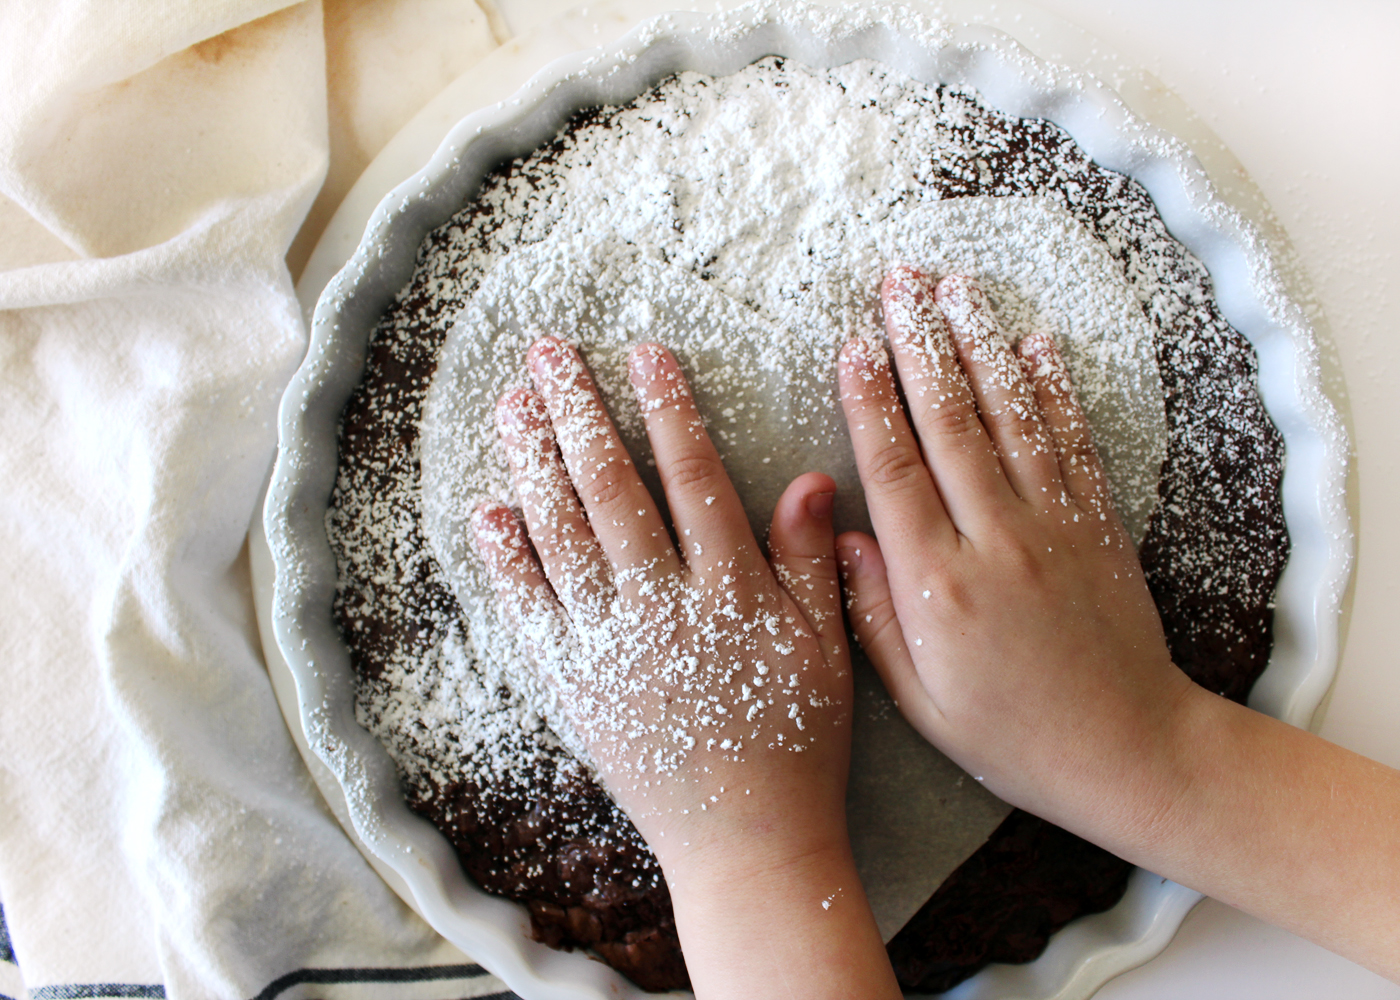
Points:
(800, 927)
(1283, 825)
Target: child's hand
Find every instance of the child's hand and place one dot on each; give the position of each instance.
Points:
(697, 680)
(712, 688)
(1003, 603)
(1005, 609)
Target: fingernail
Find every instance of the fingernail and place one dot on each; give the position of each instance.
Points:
(862, 355)
(642, 365)
(485, 523)
(819, 505)
(519, 410)
(1035, 344)
(897, 283)
(645, 358)
(547, 357)
(961, 298)
(906, 279)
(508, 414)
(957, 283)
(847, 558)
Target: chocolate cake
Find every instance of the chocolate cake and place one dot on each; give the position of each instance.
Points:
(476, 758)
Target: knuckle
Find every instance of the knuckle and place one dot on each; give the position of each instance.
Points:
(879, 626)
(604, 485)
(1021, 433)
(1014, 417)
(870, 618)
(895, 468)
(806, 577)
(1081, 454)
(685, 474)
(950, 597)
(952, 419)
(1023, 559)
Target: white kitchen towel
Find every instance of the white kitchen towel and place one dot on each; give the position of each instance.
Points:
(159, 835)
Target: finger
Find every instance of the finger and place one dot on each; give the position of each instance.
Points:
(708, 515)
(621, 512)
(871, 612)
(573, 559)
(519, 582)
(944, 411)
(904, 503)
(802, 550)
(1004, 399)
(1080, 467)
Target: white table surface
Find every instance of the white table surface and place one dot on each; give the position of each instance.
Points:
(1264, 78)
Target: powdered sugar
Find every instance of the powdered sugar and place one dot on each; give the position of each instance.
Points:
(789, 248)
(1211, 554)
(963, 150)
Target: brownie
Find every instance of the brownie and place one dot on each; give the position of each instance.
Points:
(529, 822)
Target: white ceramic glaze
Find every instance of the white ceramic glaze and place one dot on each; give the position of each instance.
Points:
(356, 772)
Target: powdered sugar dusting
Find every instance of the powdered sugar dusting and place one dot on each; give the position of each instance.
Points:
(755, 270)
(398, 607)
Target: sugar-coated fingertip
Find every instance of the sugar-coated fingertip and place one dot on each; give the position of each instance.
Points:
(956, 285)
(858, 351)
(545, 344)
(906, 280)
(513, 399)
(646, 359)
(549, 356)
(1033, 345)
(487, 515)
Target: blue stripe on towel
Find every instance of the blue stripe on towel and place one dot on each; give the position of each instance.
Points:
(423, 974)
(112, 991)
(97, 991)
(7, 950)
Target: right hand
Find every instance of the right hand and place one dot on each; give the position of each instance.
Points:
(1005, 609)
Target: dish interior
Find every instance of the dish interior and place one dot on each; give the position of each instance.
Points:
(385, 262)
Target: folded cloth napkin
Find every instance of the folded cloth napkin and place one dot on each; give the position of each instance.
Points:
(159, 835)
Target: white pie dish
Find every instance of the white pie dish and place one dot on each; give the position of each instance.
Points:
(1083, 956)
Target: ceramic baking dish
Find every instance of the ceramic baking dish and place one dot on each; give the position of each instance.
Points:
(356, 772)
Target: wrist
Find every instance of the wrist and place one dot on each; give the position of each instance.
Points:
(783, 862)
(1126, 781)
(763, 828)
(1155, 798)
(730, 845)
(778, 917)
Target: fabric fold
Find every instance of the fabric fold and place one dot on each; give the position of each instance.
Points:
(159, 832)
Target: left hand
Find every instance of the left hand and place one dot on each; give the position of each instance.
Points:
(711, 685)
(693, 675)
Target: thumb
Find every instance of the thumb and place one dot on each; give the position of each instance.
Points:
(870, 610)
(803, 555)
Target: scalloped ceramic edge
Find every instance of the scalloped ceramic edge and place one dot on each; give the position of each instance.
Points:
(1250, 291)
